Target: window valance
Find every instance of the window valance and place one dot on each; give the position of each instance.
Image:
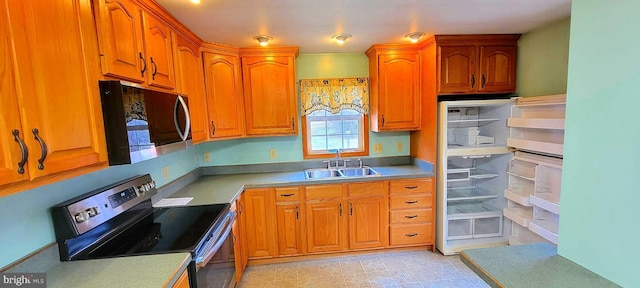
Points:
(333, 95)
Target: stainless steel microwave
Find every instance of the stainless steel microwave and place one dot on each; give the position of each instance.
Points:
(141, 124)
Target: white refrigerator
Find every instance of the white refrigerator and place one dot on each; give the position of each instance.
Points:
(479, 173)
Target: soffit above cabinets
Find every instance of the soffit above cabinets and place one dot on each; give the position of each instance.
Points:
(310, 24)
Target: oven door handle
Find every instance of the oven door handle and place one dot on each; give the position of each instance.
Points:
(218, 240)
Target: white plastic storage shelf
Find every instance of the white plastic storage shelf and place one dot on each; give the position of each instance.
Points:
(467, 221)
(522, 235)
(545, 224)
(475, 124)
(538, 124)
(518, 213)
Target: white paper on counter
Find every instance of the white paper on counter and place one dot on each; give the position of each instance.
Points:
(168, 202)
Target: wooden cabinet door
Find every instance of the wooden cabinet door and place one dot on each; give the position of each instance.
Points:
(289, 229)
(497, 69)
(243, 255)
(157, 43)
(260, 220)
(190, 82)
(10, 152)
(237, 250)
(326, 226)
(399, 92)
(224, 95)
(368, 223)
(120, 40)
(183, 281)
(55, 48)
(457, 70)
(269, 95)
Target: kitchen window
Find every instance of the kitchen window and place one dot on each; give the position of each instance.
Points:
(324, 132)
(335, 117)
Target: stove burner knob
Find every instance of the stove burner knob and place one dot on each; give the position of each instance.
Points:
(81, 216)
(152, 184)
(93, 211)
(142, 189)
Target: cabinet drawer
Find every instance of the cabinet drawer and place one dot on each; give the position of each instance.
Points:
(317, 192)
(411, 216)
(287, 194)
(424, 185)
(411, 234)
(366, 189)
(411, 201)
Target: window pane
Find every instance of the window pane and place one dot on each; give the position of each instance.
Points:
(334, 142)
(350, 127)
(350, 112)
(351, 141)
(318, 113)
(318, 128)
(318, 143)
(334, 127)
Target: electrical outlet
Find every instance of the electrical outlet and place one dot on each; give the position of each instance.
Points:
(399, 146)
(165, 172)
(207, 157)
(273, 153)
(377, 148)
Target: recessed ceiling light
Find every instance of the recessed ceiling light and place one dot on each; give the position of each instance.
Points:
(195, 1)
(341, 38)
(263, 40)
(414, 37)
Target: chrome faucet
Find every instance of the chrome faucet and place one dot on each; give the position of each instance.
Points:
(337, 157)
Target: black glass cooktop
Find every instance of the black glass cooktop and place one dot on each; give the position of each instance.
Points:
(161, 230)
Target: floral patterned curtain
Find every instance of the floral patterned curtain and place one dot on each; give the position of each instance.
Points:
(333, 95)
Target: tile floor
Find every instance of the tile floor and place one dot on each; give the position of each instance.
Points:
(384, 269)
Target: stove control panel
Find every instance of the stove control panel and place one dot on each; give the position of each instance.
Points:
(94, 208)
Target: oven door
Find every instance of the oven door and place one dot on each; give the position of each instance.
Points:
(215, 265)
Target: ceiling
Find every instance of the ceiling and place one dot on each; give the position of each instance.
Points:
(310, 24)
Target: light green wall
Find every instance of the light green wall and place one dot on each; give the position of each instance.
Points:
(26, 223)
(599, 222)
(543, 56)
(289, 149)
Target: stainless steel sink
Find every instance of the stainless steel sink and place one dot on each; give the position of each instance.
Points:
(323, 173)
(359, 172)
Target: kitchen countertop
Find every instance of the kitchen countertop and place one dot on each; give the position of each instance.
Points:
(530, 265)
(159, 270)
(226, 188)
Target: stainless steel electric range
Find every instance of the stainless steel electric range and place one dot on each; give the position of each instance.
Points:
(119, 221)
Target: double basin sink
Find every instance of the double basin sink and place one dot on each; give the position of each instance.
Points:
(324, 173)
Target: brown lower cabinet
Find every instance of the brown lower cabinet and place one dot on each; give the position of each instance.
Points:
(326, 218)
(412, 212)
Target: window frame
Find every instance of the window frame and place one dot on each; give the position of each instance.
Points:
(306, 142)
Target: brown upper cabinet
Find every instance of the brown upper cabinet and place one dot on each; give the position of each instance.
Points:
(394, 71)
(190, 83)
(476, 64)
(270, 100)
(224, 92)
(51, 112)
(134, 45)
